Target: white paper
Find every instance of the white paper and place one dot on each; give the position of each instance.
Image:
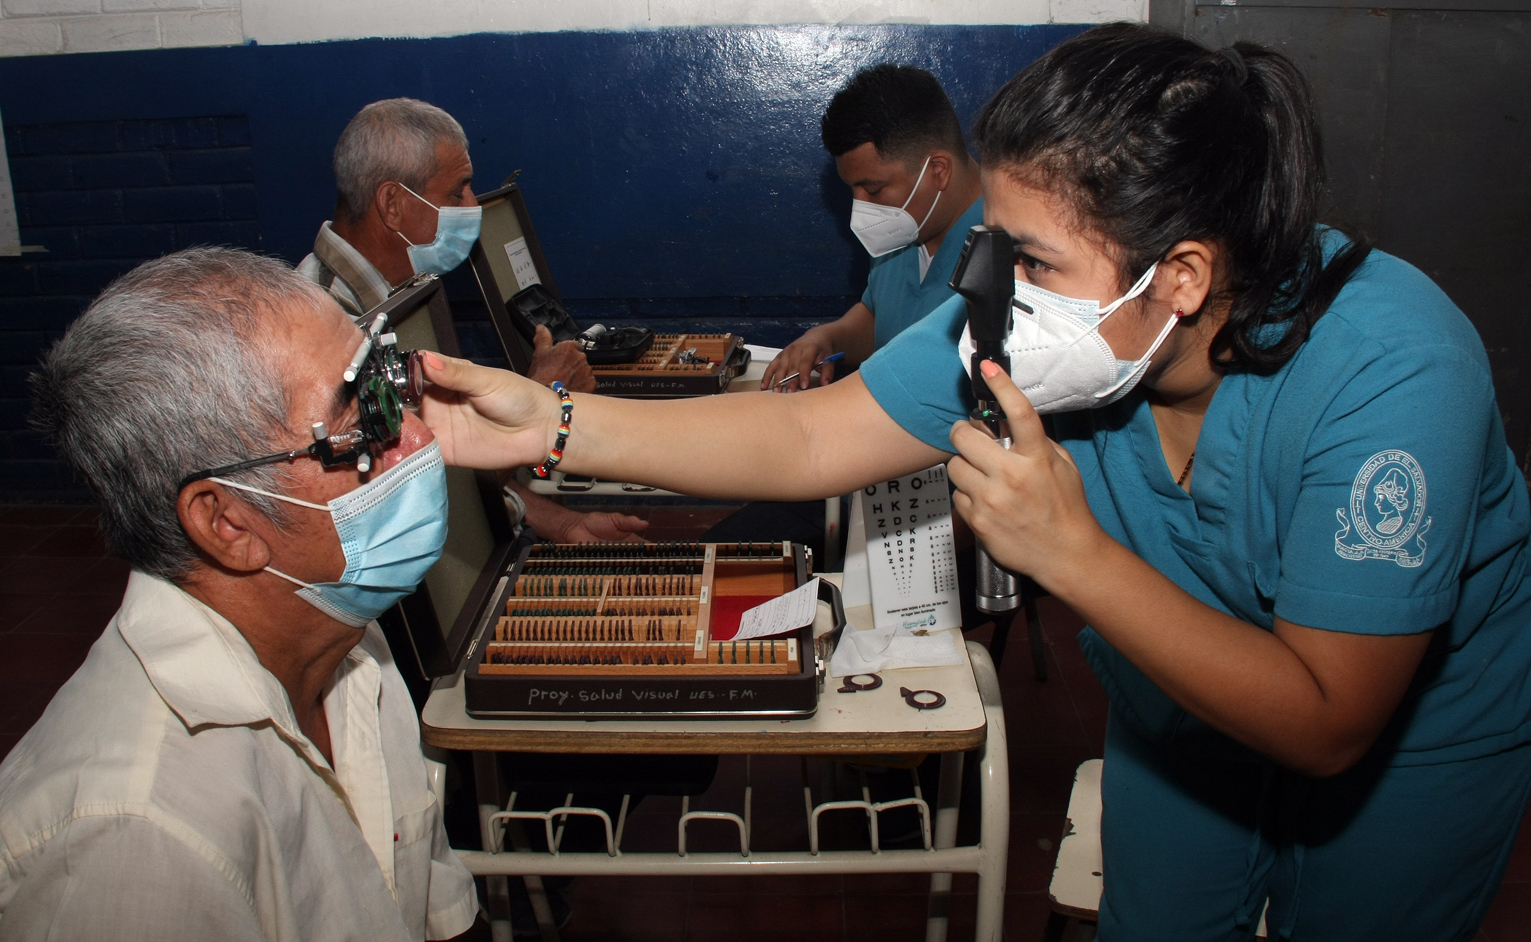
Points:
(907, 584)
(856, 589)
(910, 552)
(885, 649)
(521, 264)
(785, 613)
(10, 234)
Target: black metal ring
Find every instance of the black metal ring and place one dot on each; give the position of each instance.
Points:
(851, 686)
(909, 698)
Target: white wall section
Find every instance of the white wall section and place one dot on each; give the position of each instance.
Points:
(41, 27)
(286, 21)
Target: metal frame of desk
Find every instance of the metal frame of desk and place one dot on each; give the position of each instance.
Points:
(874, 722)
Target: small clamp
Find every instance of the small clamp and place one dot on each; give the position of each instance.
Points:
(912, 697)
(851, 686)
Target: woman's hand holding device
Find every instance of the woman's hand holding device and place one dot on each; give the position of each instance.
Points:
(1027, 504)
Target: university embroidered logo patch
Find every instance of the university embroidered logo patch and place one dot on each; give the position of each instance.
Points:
(1385, 518)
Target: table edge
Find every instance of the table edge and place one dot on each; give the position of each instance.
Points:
(692, 742)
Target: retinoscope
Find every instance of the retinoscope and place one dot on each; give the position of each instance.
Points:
(985, 277)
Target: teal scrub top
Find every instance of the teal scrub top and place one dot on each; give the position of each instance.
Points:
(1365, 487)
(897, 295)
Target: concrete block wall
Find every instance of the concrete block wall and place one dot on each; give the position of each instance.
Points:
(44, 27)
(101, 197)
(675, 175)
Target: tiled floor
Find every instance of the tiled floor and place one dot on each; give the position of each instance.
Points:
(58, 589)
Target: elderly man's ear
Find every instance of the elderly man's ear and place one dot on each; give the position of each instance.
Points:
(389, 203)
(224, 527)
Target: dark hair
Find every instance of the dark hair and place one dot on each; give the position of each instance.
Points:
(1154, 139)
(900, 109)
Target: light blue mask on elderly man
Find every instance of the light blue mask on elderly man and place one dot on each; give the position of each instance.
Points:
(392, 529)
(457, 229)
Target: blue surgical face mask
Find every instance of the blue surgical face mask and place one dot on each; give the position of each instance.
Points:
(392, 529)
(456, 230)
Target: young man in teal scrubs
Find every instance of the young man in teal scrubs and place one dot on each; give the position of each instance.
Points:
(898, 145)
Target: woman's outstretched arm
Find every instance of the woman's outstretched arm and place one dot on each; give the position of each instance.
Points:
(758, 446)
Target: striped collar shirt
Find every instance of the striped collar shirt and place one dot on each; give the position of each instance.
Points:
(336, 266)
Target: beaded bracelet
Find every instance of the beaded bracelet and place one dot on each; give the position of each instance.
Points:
(556, 455)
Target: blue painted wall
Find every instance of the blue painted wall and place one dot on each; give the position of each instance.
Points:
(675, 176)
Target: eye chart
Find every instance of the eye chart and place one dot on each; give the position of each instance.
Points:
(909, 553)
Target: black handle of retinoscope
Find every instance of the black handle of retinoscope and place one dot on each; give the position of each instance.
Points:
(985, 278)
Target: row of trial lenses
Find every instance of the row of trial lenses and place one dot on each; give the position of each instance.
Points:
(588, 629)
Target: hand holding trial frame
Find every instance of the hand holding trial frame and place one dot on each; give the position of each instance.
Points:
(487, 418)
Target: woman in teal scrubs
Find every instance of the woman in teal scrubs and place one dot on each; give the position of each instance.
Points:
(1289, 515)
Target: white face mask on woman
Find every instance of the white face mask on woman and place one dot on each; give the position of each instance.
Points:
(1058, 357)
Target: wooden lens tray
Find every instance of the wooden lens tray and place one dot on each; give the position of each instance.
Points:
(676, 366)
(580, 624)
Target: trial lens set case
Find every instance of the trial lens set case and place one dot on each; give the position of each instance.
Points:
(520, 293)
(632, 629)
(600, 629)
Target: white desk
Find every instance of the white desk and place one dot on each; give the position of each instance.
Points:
(875, 722)
(556, 485)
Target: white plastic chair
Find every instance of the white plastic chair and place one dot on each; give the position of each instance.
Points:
(1077, 882)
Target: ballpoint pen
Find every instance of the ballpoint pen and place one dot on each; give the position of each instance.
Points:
(832, 358)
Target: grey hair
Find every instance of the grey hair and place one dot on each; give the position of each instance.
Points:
(175, 368)
(393, 139)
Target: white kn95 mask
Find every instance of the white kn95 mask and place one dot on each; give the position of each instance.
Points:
(1058, 357)
(883, 229)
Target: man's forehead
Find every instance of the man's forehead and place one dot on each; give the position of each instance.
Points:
(866, 164)
(321, 342)
(453, 160)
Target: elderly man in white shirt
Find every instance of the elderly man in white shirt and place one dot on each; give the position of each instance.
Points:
(238, 757)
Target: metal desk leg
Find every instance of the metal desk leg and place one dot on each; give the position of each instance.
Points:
(949, 802)
(994, 791)
(1034, 635)
(486, 777)
(832, 523)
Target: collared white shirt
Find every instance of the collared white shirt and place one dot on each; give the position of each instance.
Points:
(168, 794)
(336, 266)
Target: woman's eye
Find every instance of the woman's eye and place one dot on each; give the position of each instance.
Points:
(1029, 264)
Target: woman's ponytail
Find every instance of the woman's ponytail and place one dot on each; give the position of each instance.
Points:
(1280, 273)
